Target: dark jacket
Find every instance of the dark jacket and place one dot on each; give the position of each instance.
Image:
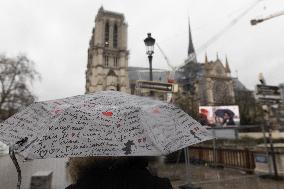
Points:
(121, 175)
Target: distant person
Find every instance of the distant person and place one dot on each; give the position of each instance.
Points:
(114, 173)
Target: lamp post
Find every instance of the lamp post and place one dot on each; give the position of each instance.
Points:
(149, 43)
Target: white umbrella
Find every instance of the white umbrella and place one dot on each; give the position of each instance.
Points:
(105, 123)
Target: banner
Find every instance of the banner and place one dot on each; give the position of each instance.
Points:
(219, 115)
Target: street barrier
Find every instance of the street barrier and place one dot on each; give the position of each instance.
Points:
(234, 158)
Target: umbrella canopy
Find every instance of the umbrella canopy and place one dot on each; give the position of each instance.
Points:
(106, 123)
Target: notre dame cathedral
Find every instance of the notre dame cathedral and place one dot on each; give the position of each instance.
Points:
(210, 82)
(107, 67)
(108, 54)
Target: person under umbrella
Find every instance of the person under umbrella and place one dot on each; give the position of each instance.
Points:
(115, 173)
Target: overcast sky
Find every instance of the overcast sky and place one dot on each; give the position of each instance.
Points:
(55, 35)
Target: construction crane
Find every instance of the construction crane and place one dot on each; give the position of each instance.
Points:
(215, 37)
(228, 26)
(209, 42)
(257, 21)
(171, 78)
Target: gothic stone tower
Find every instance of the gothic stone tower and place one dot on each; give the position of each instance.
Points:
(215, 87)
(108, 54)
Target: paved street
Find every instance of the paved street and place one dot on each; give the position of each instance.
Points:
(8, 174)
(207, 178)
(216, 178)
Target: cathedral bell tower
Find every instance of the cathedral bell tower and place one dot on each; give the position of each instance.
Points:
(108, 54)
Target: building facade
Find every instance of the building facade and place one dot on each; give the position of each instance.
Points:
(210, 82)
(215, 86)
(108, 54)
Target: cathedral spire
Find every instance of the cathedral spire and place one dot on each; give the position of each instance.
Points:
(227, 67)
(191, 51)
(206, 58)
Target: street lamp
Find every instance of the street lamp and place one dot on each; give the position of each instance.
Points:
(149, 43)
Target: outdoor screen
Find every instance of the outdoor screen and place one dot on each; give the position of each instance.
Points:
(219, 115)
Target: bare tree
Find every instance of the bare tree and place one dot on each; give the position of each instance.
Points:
(221, 93)
(188, 103)
(250, 111)
(16, 77)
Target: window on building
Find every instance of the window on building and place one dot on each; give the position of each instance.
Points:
(107, 34)
(115, 36)
(106, 61)
(115, 62)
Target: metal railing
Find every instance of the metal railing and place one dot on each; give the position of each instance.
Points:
(233, 158)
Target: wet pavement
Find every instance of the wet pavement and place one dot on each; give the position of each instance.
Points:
(206, 177)
(217, 178)
(8, 173)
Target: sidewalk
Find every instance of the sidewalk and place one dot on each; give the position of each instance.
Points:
(8, 173)
(216, 178)
(206, 177)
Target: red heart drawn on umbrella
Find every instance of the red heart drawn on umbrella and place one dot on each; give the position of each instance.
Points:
(107, 113)
(156, 110)
(57, 103)
(57, 111)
